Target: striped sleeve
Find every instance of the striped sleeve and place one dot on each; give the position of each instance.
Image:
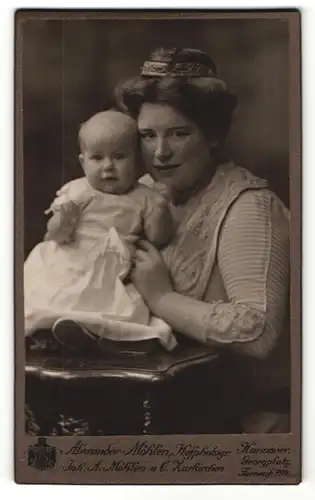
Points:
(253, 258)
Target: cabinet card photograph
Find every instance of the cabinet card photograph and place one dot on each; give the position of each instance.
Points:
(157, 247)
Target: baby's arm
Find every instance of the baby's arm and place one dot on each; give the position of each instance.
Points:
(65, 209)
(63, 222)
(159, 226)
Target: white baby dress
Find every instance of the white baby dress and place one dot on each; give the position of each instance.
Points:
(86, 280)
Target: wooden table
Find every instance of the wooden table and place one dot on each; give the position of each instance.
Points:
(158, 392)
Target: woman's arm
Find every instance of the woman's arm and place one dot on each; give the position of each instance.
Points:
(254, 261)
(158, 224)
(254, 264)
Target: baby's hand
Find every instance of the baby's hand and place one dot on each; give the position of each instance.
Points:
(163, 190)
(69, 213)
(62, 224)
(62, 200)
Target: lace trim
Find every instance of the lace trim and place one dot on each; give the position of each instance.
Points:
(190, 255)
(233, 322)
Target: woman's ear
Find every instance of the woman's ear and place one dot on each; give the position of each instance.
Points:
(214, 143)
(214, 147)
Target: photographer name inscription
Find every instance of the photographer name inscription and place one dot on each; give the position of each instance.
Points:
(183, 458)
(248, 459)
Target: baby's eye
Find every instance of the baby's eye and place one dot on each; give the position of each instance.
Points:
(147, 135)
(119, 156)
(96, 157)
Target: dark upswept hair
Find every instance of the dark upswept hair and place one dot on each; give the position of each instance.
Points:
(205, 100)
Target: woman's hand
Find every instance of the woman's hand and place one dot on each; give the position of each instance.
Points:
(150, 274)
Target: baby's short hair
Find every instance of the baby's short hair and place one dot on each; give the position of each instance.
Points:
(105, 122)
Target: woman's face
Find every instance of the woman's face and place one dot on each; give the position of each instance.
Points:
(174, 150)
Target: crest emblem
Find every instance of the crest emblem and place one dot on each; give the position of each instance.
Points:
(41, 455)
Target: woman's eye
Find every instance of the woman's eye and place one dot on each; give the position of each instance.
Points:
(147, 135)
(181, 133)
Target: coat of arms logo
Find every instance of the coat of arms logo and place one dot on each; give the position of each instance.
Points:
(41, 455)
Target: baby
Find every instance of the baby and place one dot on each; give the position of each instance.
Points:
(79, 273)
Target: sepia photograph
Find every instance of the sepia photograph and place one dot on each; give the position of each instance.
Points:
(154, 211)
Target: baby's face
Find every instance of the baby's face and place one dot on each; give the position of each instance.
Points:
(109, 160)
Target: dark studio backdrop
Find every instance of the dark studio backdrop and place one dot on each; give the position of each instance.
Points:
(70, 69)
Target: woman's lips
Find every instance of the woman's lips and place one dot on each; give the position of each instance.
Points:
(166, 168)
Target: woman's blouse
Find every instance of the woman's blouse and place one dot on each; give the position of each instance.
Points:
(246, 234)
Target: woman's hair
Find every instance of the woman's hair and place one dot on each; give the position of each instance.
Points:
(187, 80)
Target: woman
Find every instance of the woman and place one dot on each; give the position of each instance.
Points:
(224, 279)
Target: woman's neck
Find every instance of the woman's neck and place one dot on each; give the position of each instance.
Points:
(181, 197)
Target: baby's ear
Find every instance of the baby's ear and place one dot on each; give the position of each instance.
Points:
(81, 159)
